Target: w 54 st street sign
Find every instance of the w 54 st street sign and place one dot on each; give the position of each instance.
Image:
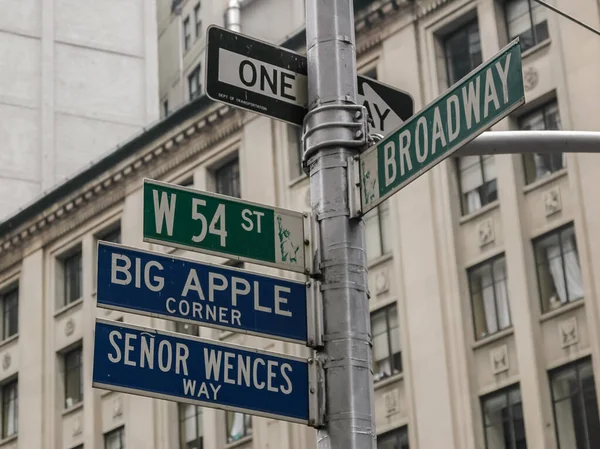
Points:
(223, 226)
(483, 97)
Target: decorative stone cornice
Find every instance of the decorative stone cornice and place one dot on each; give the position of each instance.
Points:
(158, 158)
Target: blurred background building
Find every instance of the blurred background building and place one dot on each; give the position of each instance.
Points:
(76, 78)
(485, 308)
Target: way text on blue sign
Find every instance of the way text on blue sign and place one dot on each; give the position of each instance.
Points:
(178, 367)
(212, 295)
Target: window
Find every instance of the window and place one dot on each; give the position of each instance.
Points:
(115, 439)
(295, 150)
(489, 297)
(227, 179)
(575, 407)
(10, 408)
(197, 20)
(387, 352)
(526, 20)
(463, 51)
(477, 181)
(503, 420)
(72, 277)
(165, 108)
(537, 166)
(187, 37)
(114, 235)
(73, 377)
(10, 312)
(238, 426)
(559, 275)
(377, 232)
(187, 328)
(396, 439)
(190, 426)
(194, 83)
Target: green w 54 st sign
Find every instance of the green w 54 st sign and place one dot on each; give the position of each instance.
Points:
(483, 97)
(223, 226)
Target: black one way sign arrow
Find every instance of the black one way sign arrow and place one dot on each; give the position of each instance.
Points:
(270, 80)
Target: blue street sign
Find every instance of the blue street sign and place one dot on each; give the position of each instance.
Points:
(178, 367)
(212, 295)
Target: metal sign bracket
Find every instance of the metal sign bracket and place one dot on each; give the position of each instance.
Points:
(316, 388)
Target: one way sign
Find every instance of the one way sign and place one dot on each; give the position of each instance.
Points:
(270, 80)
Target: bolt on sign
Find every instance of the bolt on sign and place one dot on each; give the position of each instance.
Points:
(224, 226)
(475, 103)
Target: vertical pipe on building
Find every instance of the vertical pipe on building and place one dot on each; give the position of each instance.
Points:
(233, 16)
(346, 354)
(177, 7)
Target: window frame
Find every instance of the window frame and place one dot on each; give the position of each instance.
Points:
(65, 261)
(383, 233)
(187, 34)
(544, 109)
(556, 231)
(531, 24)
(577, 366)
(4, 389)
(120, 431)
(390, 357)
(68, 373)
(485, 182)
(197, 20)
(397, 434)
(464, 27)
(247, 431)
(165, 107)
(199, 438)
(9, 294)
(470, 270)
(509, 406)
(220, 170)
(194, 81)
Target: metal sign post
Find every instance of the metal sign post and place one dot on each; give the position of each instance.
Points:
(334, 132)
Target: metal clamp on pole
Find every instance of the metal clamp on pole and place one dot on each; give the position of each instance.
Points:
(334, 125)
(316, 386)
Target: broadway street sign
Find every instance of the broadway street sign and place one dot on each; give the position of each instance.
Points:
(483, 97)
(223, 226)
(217, 296)
(182, 368)
(271, 80)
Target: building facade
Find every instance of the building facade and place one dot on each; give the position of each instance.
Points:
(485, 314)
(76, 78)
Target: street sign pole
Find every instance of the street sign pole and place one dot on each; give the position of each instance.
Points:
(332, 132)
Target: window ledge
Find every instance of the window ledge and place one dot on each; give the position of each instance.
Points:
(537, 47)
(473, 215)
(380, 260)
(389, 380)
(493, 338)
(9, 340)
(239, 442)
(545, 180)
(73, 408)
(562, 310)
(68, 307)
(297, 180)
(9, 439)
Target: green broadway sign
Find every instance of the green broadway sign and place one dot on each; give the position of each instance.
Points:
(223, 226)
(483, 97)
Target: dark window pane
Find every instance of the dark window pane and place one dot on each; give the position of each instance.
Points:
(503, 420)
(526, 20)
(194, 85)
(10, 313)
(228, 179)
(10, 409)
(477, 182)
(72, 278)
(396, 439)
(115, 439)
(238, 426)
(73, 377)
(191, 428)
(387, 350)
(463, 51)
(113, 236)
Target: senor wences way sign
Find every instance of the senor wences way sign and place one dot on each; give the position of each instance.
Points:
(483, 97)
(182, 368)
(271, 80)
(217, 296)
(223, 226)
